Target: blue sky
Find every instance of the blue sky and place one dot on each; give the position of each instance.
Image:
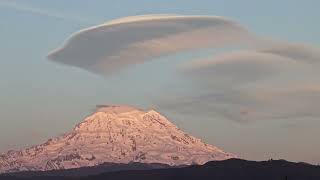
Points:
(40, 99)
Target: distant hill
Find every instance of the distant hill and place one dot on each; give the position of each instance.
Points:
(232, 169)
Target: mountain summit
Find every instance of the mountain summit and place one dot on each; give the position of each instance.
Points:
(118, 134)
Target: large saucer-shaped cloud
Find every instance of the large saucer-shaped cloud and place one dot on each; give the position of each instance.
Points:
(114, 45)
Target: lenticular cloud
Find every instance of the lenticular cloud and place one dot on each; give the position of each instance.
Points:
(253, 85)
(251, 78)
(112, 46)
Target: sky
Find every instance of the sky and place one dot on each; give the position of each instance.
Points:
(40, 98)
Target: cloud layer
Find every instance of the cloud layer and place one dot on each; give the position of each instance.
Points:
(256, 79)
(112, 46)
(276, 83)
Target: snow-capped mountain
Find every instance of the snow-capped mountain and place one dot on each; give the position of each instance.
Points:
(118, 134)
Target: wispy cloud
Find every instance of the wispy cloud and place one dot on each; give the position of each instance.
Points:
(277, 83)
(43, 12)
